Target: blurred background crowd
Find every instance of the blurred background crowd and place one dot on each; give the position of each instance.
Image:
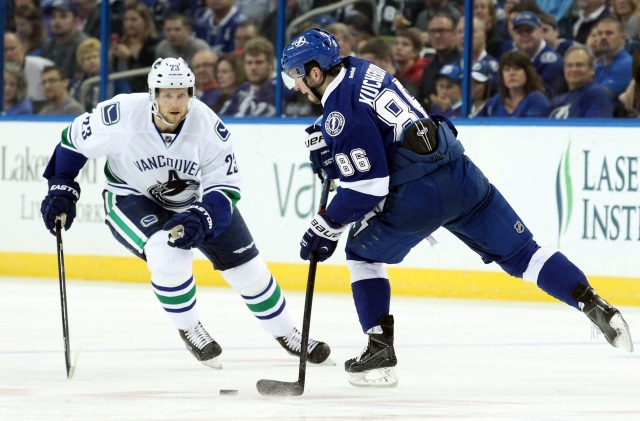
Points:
(530, 58)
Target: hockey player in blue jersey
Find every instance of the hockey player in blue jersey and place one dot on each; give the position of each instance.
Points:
(403, 175)
(172, 186)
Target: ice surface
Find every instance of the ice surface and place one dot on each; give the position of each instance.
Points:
(458, 360)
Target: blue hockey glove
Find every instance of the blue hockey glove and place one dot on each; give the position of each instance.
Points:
(187, 229)
(321, 238)
(60, 203)
(319, 153)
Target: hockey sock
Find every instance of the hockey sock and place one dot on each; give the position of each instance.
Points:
(172, 280)
(371, 297)
(262, 295)
(556, 275)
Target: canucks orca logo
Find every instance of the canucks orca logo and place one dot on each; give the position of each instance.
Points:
(175, 192)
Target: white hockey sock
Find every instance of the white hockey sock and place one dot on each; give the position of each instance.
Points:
(262, 295)
(172, 280)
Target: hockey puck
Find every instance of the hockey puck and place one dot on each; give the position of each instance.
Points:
(228, 392)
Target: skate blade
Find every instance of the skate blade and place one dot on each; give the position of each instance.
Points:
(213, 363)
(379, 378)
(623, 339)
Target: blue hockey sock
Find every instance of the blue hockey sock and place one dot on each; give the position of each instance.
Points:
(371, 297)
(558, 277)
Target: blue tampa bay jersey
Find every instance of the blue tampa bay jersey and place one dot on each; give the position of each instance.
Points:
(365, 112)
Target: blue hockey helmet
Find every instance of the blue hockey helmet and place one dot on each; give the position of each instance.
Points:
(313, 44)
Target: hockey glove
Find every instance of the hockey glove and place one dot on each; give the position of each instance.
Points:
(188, 228)
(60, 203)
(321, 238)
(320, 154)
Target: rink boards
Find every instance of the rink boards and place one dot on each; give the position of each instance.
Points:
(575, 187)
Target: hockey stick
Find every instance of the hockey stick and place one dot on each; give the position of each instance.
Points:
(63, 301)
(280, 388)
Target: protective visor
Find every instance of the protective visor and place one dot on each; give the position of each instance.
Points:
(289, 78)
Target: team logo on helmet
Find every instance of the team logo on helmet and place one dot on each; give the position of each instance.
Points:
(175, 192)
(299, 42)
(334, 124)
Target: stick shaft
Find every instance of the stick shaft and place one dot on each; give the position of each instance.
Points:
(63, 298)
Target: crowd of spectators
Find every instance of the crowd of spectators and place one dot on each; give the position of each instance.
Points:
(530, 58)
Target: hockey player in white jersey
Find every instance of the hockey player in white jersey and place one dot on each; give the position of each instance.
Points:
(403, 174)
(172, 184)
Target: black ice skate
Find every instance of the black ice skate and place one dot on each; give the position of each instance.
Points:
(201, 345)
(374, 366)
(317, 353)
(606, 317)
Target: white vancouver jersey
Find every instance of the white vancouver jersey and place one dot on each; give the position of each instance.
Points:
(174, 170)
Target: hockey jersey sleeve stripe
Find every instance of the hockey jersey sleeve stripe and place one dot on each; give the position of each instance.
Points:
(66, 139)
(373, 187)
(232, 193)
(111, 177)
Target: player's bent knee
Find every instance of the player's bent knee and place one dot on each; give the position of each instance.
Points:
(253, 275)
(166, 262)
(363, 270)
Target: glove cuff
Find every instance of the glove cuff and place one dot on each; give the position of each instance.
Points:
(322, 227)
(62, 186)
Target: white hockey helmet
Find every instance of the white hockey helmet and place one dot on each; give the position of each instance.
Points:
(172, 73)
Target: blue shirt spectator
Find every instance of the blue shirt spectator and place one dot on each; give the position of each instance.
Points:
(15, 98)
(527, 30)
(520, 93)
(589, 101)
(217, 23)
(613, 70)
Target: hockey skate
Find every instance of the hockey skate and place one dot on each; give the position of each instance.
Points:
(318, 352)
(201, 345)
(606, 317)
(374, 366)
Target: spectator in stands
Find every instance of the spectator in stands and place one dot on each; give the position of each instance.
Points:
(256, 96)
(630, 98)
(342, 34)
(592, 42)
(88, 57)
(229, 75)
(15, 97)
(65, 37)
(136, 48)
(56, 89)
(479, 41)
(520, 92)
(626, 12)
(548, 63)
(485, 10)
(89, 15)
(293, 9)
(432, 8)
(585, 98)
(30, 29)
(178, 41)
(551, 34)
(590, 12)
(244, 32)
(203, 65)
(443, 40)
(448, 92)
(32, 67)
(379, 52)
(406, 55)
(482, 87)
(361, 29)
(216, 24)
(613, 69)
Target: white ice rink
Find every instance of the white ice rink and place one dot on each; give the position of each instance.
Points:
(458, 360)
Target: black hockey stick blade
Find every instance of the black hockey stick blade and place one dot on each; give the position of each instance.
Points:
(278, 388)
(63, 301)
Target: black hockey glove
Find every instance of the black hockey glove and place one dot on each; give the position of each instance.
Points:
(60, 203)
(187, 229)
(321, 237)
(319, 154)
